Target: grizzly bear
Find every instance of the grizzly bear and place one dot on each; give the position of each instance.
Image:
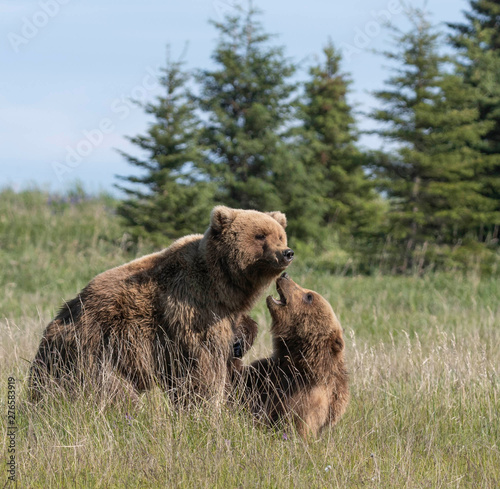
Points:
(305, 381)
(169, 318)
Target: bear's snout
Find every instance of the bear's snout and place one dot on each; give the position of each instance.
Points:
(288, 255)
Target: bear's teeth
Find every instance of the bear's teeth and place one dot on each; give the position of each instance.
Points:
(281, 301)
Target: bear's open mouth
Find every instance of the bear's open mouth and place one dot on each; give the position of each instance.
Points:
(282, 300)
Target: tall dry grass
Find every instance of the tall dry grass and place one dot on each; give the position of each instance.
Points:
(423, 356)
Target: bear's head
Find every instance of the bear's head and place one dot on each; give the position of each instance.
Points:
(249, 243)
(304, 323)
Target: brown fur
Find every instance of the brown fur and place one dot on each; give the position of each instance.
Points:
(305, 380)
(169, 317)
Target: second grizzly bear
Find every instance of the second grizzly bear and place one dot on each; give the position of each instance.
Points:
(305, 381)
(171, 317)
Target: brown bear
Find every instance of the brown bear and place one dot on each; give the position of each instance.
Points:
(169, 318)
(305, 381)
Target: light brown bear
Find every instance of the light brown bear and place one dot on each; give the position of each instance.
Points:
(170, 318)
(305, 381)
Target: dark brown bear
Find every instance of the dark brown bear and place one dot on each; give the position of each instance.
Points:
(169, 318)
(305, 381)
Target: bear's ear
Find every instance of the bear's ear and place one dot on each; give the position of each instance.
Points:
(337, 342)
(221, 217)
(278, 216)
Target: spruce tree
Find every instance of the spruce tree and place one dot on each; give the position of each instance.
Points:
(348, 204)
(427, 113)
(171, 197)
(478, 43)
(246, 102)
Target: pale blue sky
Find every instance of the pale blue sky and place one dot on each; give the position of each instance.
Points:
(68, 68)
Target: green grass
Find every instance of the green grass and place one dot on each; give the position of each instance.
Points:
(423, 355)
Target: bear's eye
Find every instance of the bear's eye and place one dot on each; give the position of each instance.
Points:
(309, 298)
(260, 237)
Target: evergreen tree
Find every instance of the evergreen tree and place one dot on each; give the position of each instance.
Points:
(427, 113)
(478, 42)
(348, 203)
(246, 101)
(171, 198)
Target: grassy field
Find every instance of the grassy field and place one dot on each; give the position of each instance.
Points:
(423, 356)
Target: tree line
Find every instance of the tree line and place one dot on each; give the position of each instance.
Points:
(247, 134)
